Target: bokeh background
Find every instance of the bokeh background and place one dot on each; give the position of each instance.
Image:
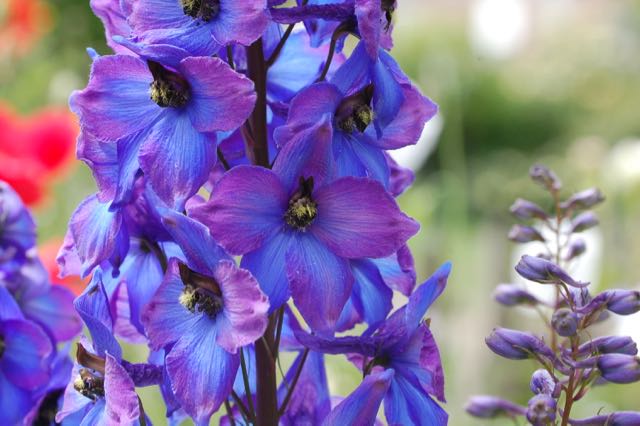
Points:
(517, 81)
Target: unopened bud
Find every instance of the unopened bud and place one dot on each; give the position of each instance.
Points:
(583, 200)
(524, 234)
(545, 177)
(565, 322)
(623, 302)
(525, 209)
(512, 295)
(620, 418)
(514, 344)
(619, 368)
(609, 345)
(584, 221)
(542, 382)
(488, 407)
(545, 272)
(576, 248)
(541, 410)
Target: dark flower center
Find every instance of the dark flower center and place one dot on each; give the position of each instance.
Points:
(354, 112)
(201, 293)
(388, 7)
(169, 89)
(201, 9)
(48, 408)
(89, 385)
(302, 209)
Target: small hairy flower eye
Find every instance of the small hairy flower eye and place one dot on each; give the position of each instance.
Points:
(201, 9)
(302, 209)
(168, 89)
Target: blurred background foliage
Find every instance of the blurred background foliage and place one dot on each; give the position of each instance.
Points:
(518, 82)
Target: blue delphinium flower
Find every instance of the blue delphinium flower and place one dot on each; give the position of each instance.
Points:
(163, 120)
(300, 229)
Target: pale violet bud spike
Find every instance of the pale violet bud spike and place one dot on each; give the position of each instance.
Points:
(512, 295)
(514, 344)
(488, 407)
(583, 200)
(524, 234)
(545, 177)
(525, 209)
(584, 221)
(623, 302)
(541, 410)
(542, 382)
(565, 322)
(545, 272)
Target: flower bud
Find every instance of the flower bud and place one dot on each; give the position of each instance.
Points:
(545, 177)
(514, 344)
(619, 368)
(623, 302)
(541, 410)
(488, 407)
(524, 234)
(565, 322)
(576, 248)
(584, 221)
(609, 345)
(524, 209)
(583, 199)
(544, 271)
(620, 418)
(542, 382)
(511, 295)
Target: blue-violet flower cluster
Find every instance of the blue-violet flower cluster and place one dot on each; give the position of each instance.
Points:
(246, 206)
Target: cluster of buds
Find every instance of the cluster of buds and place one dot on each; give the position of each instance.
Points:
(571, 361)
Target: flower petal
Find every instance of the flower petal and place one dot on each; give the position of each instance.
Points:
(177, 159)
(244, 317)
(116, 101)
(358, 218)
(371, 296)
(320, 282)
(407, 405)
(26, 351)
(221, 99)
(361, 406)
(398, 270)
(53, 310)
(15, 402)
(122, 405)
(247, 207)
(426, 294)
(240, 21)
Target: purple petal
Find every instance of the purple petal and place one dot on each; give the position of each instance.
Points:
(370, 296)
(96, 232)
(122, 406)
(54, 311)
(361, 406)
(246, 208)
(398, 270)
(114, 21)
(116, 101)
(244, 317)
(426, 294)
(353, 71)
(369, 15)
(164, 318)
(177, 159)
(202, 373)
(340, 345)
(358, 218)
(73, 401)
(267, 264)
(9, 308)
(358, 157)
(400, 178)
(307, 154)
(15, 402)
(406, 404)
(221, 99)
(320, 282)
(240, 22)
(406, 128)
(102, 158)
(69, 263)
(26, 351)
(310, 402)
(388, 96)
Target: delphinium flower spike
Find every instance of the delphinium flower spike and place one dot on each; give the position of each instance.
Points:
(572, 360)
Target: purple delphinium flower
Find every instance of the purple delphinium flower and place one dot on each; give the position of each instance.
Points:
(405, 344)
(298, 226)
(202, 313)
(372, 108)
(163, 120)
(17, 229)
(199, 27)
(24, 360)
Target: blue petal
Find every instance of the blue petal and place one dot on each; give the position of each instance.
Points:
(425, 295)
(387, 95)
(15, 402)
(407, 405)
(201, 372)
(361, 407)
(353, 72)
(9, 309)
(267, 264)
(371, 296)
